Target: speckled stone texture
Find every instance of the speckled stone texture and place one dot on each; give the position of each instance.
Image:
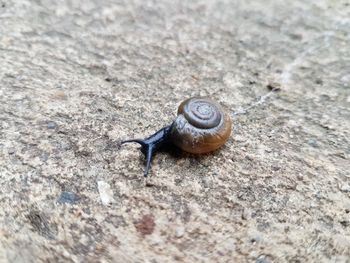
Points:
(79, 76)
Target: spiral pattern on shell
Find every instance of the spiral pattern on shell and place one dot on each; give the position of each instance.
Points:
(201, 126)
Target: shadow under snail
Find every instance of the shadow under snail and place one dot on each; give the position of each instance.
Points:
(201, 126)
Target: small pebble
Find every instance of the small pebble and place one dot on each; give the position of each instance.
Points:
(106, 193)
(268, 150)
(51, 125)
(68, 197)
(300, 176)
(180, 231)
(344, 188)
(312, 143)
(346, 79)
(274, 86)
(275, 168)
(11, 150)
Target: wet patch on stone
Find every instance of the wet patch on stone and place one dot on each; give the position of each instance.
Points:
(145, 226)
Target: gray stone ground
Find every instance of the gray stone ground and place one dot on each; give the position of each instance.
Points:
(76, 77)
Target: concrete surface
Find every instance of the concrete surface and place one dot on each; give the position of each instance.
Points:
(76, 77)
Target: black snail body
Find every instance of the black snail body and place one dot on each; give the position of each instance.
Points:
(200, 127)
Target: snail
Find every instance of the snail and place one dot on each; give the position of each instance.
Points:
(201, 126)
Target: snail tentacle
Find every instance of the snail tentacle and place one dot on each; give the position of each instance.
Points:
(151, 144)
(133, 140)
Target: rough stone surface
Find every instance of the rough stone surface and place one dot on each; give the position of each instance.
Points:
(76, 77)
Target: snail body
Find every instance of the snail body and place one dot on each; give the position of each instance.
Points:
(201, 126)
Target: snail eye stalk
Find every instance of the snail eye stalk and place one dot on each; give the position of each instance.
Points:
(150, 145)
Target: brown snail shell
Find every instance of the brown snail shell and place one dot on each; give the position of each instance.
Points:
(201, 126)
